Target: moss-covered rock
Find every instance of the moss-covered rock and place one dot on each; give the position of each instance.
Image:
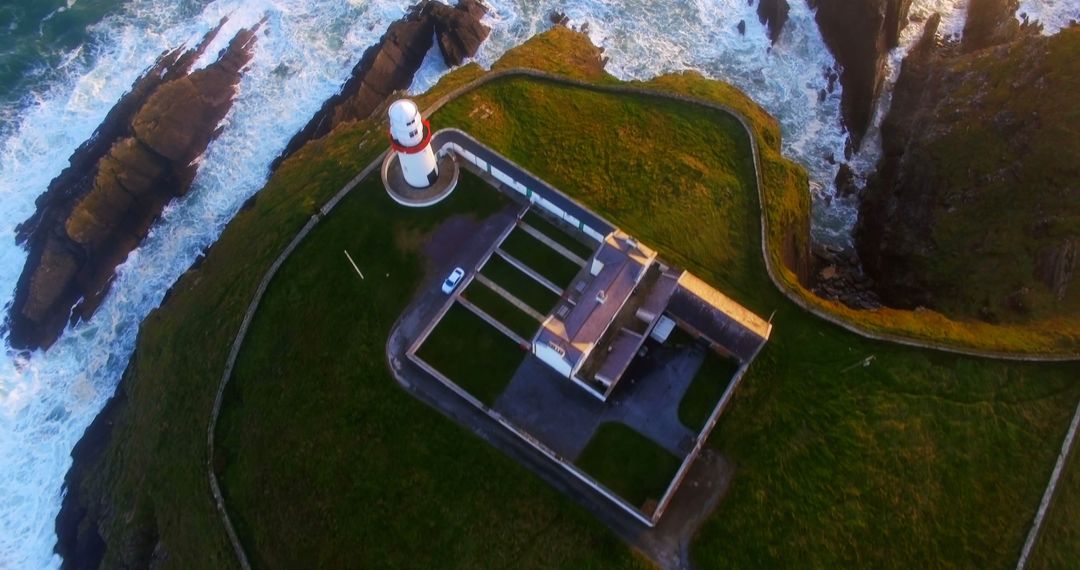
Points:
(975, 209)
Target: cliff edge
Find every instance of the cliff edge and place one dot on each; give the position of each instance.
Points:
(975, 209)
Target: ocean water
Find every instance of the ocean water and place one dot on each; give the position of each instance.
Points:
(63, 63)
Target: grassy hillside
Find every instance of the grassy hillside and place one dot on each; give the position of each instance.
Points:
(918, 455)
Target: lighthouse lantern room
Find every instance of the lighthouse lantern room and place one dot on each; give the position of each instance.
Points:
(410, 136)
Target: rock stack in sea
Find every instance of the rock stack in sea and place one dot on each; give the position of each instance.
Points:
(859, 35)
(101, 207)
(391, 64)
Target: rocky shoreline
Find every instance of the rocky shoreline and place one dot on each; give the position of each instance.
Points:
(391, 64)
(387, 67)
(102, 206)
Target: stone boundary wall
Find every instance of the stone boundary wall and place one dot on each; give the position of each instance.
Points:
(617, 89)
(533, 442)
(703, 435)
(1048, 495)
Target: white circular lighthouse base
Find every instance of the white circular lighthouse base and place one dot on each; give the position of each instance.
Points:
(407, 195)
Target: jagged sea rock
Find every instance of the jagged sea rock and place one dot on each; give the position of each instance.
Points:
(390, 64)
(860, 34)
(101, 207)
(774, 14)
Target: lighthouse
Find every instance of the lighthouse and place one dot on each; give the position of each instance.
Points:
(410, 136)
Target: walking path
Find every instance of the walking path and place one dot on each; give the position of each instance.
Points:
(557, 197)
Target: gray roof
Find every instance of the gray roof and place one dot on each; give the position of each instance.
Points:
(722, 322)
(624, 265)
(620, 354)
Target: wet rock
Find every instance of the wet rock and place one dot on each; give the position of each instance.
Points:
(860, 34)
(839, 277)
(774, 14)
(559, 18)
(845, 182)
(458, 30)
(102, 206)
(742, 27)
(989, 23)
(391, 64)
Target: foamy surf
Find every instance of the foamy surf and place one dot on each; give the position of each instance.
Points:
(302, 57)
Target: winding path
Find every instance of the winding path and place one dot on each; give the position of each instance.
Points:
(215, 487)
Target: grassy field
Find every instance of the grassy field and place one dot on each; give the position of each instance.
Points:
(630, 464)
(920, 459)
(502, 310)
(326, 462)
(704, 392)
(472, 354)
(540, 258)
(519, 284)
(560, 236)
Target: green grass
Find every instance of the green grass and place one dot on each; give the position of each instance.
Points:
(921, 459)
(628, 463)
(327, 462)
(704, 393)
(560, 235)
(1058, 546)
(519, 284)
(472, 354)
(540, 258)
(497, 307)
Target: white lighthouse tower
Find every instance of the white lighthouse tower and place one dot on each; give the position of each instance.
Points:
(410, 136)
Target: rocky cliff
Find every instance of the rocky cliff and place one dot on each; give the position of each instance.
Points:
(101, 207)
(975, 208)
(390, 64)
(860, 34)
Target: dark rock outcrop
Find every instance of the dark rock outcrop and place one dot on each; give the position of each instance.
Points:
(390, 65)
(78, 539)
(458, 30)
(774, 14)
(975, 206)
(860, 34)
(989, 23)
(101, 207)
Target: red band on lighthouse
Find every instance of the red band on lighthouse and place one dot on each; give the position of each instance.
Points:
(419, 146)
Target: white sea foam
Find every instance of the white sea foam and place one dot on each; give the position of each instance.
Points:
(303, 55)
(1052, 14)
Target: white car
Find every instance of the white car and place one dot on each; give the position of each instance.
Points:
(452, 280)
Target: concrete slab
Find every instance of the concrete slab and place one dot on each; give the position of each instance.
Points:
(550, 408)
(559, 414)
(648, 397)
